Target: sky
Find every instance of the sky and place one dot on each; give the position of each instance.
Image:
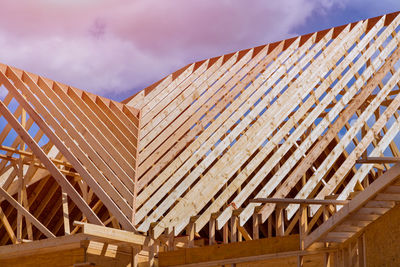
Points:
(115, 48)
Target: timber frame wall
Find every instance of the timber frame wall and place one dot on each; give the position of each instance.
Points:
(295, 137)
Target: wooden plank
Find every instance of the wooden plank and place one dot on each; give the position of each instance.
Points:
(378, 160)
(114, 235)
(44, 245)
(7, 226)
(230, 251)
(64, 198)
(347, 228)
(244, 233)
(256, 226)
(380, 204)
(393, 189)
(211, 231)
(303, 225)
(279, 221)
(26, 213)
(259, 258)
(378, 211)
(388, 196)
(361, 248)
(299, 201)
(234, 229)
(364, 217)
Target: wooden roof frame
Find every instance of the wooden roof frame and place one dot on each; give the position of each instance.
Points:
(250, 143)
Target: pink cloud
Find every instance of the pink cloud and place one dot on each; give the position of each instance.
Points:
(110, 47)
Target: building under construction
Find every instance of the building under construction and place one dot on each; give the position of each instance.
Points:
(284, 154)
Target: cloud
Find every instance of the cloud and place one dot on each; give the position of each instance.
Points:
(112, 47)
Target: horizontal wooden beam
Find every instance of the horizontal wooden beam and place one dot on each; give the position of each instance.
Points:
(113, 235)
(47, 245)
(38, 165)
(30, 154)
(378, 160)
(299, 201)
(259, 258)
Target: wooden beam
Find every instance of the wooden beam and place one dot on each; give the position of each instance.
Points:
(47, 245)
(7, 226)
(64, 199)
(211, 231)
(279, 221)
(190, 232)
(299, 201)
(38, 165)
(244, 233)
(234, 228)
(258, 258)
(362, 256)
(303, 225)
(30, 154)
(26, 213)
(378, 160)
(113, 235)
(256, 225)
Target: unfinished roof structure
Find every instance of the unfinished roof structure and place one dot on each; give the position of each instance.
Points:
(284, 153)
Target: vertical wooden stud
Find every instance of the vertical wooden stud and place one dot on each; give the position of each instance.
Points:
(279, 224)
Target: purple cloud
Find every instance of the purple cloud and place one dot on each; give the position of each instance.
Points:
(111, 47)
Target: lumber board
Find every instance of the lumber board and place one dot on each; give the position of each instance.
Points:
(114, 235)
